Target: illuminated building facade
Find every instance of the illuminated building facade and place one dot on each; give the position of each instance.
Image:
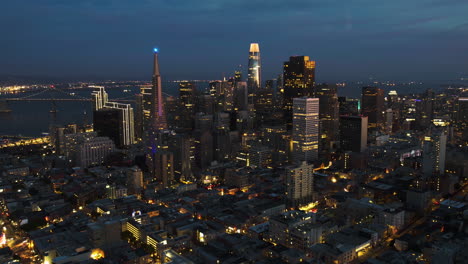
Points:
(300, 184)
(100, 97)
(305, 134)
(113, 120)
(298, 81)
(144, 103)
(434, 152)
(254, 78)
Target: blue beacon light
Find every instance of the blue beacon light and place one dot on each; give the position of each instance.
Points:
(155, 50)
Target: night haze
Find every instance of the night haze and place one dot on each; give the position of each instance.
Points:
(354, 40)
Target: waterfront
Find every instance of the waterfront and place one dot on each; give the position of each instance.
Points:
(34, 118)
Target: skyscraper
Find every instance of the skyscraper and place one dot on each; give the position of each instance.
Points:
(264, 102)
(298, 81)
(100, 97)
(462, 117)
(158, 115)
(145, 101)
(154, 130)
(373, 105)
(238, 75)
(180, 146)
(353, 133)
(113, 120)
(138, 116)
(300, 184)
(254, 78)
(434, 152)
(329, 115)
(305, 134)
(241, 97)
(164, 169)
(187, 95)
(106, 124)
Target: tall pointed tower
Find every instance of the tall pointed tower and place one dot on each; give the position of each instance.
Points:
(158, 115)
(156, 125)
(254, 78)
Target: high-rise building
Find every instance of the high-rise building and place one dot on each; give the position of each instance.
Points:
(203, 121)
(425, 108)
(238, 75)
(254, 78)
(241, 102)
(164, 169)
(272, 136)
(120, 117)
(146, 104)
(106, 124)
(300, 184)
(206, 104)
(264, 103)
(203, 151)
(158, 116)
(349, 106)
(180, 146)
(187, 95)
(113, 120)
(305, 134)
(434, 152)
(298, 81)
(222, 144)
(329, 115)
(153, 100)
(462, 118)
(138, 117)
(388, 120)
(222, 93)
(100, 97)
(134, 180)
(353, 133)
(373, 105)
(462, 111)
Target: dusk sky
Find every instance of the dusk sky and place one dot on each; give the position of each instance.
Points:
(350, 40)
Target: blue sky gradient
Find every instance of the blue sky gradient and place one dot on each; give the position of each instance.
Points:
(350, 40)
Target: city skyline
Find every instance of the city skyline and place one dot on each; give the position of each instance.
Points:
(230, 153)
(349, 42)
